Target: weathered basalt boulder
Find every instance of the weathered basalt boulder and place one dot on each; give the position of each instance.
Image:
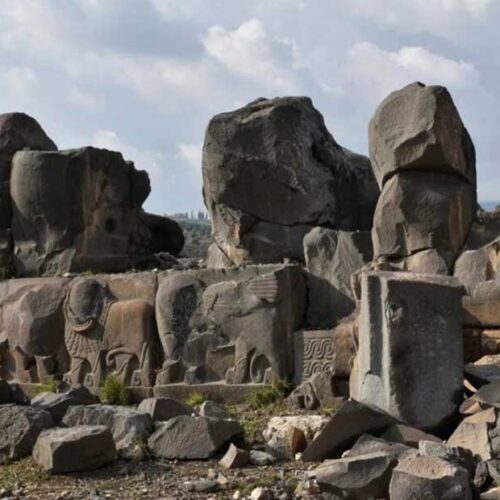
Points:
(77, 210)
(20, 427)
(75, 449)
(271, 172)
(162, 409)
(419, 128)
(192, 438)
(128, 426)
(166, 234)
(422, 220)
(331, 258)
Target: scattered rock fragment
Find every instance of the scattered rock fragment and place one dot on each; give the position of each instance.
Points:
(128, 426)
(261, 493)
(162, 409)
(74, 449)
(191, 438)
(234, 458)
(210, 409)
(429, 477)
(261, 458)
(20, 427)
(277, 436)
(360, 476)
(474, 436)
(351, 421)
(400, 433)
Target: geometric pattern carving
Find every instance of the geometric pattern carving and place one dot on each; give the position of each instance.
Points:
(314, 353)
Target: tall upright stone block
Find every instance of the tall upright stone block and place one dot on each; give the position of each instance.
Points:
(410, 357)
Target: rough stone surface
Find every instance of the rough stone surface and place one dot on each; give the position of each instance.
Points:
(166, 234)
(128, 426)
(482, 305)
(473, 436)
(331, 258)
(410, 358)
(419, 128)
(20, 427)
(104, 335)
(234, 458)
(351, 421)
(484, 371)
(75, 449)
(17, 131)
(277, 432)
(429, 477)
(58, 403)
(162, 409)
(210, 409)
(418, 212)
(404, 434)
(33, 321)
(361, 476)
(234, 326)
(261, 458)
(88, 202)
(367, 444)
(192, 438)
(279, 149)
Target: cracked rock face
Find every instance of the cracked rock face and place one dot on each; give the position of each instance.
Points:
(77, 210)
(419, 128)
(424, 162)
(271, 172)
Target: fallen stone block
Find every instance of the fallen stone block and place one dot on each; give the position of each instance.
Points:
(128, 426)
(367, 444)
(351, 421)
(234, 458)
(474, 436)
(20, 427)
(58, 403)
(192, 438)
(484, 371)
(430, 478)
(74, 449)
(361, 476)
(162, 409)
(261, 458)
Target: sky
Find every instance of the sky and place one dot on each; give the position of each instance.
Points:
(144, 77)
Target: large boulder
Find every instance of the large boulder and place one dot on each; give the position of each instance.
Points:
(419, 128)
(166, 234)
(422, 220)
(410, 357)
(162, 409)
(20, 427)
(192, 438)
(77, 210)
(75, 449)
(18, 131)
(129, 427)
(331, 258)
(271, 172)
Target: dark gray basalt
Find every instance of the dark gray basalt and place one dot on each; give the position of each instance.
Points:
(271, 170)
(77, 210)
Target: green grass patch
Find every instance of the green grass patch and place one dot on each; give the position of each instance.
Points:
(114, 392)
(196, 398)
(49, 386)
(267, 395)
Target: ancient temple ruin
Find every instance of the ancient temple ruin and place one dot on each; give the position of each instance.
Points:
(374, 279)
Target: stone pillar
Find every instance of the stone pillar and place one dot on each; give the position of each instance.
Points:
(410, 357)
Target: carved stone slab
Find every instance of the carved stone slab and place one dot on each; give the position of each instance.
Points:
(314, 352)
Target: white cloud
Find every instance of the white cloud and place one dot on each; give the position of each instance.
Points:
(376, 72)
(441, 17)
(247, 51)
(20, 81)
(151, 161)
(191, 154)
(83, 99)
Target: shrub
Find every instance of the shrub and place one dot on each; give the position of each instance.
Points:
(267, 395)
(196, 398)
(114, 392)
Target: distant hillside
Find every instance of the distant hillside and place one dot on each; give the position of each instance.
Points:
(197, 233)
(489, 205)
